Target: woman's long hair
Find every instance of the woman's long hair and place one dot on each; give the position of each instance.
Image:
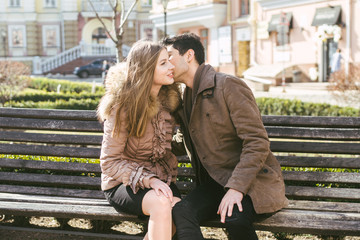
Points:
(133, 95)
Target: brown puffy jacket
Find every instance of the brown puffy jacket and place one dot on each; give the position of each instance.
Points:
(134, 160)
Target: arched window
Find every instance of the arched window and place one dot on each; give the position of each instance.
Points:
(99, 36)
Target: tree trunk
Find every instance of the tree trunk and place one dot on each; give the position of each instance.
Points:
(119, 53)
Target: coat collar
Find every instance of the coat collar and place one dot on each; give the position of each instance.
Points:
(204, 78)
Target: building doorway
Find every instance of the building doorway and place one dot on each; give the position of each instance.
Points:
(244, 56)
(328, 49)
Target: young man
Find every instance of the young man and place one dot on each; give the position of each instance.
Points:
(237, 175)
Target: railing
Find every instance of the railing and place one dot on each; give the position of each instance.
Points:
(82, 50)
(61, 59)
(97, 50)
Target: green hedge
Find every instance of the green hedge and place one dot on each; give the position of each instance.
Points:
(51, 85)
(75, 104)
(42, 93)
(53, 96)
(267, 106)
(276, 106)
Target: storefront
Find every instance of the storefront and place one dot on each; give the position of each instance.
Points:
(305, 35)
(328, 23)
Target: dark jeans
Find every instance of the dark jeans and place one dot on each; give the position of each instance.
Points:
(202, 204)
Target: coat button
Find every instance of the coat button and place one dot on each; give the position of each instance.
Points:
(265, 170)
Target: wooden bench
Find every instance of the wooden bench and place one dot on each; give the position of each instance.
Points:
(320, 157)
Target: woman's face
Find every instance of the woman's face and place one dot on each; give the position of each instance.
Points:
(164, 70)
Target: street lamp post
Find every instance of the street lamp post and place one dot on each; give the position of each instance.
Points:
(3, 36)
(165, 3)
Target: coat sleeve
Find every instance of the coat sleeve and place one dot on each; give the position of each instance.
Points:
(130, 173)
(249, 127)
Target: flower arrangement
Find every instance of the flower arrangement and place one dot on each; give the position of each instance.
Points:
(327, 31)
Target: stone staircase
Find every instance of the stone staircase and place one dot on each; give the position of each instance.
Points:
(68, 68)
(82, 54)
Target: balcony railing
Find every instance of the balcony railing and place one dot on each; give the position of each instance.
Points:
(99, 5)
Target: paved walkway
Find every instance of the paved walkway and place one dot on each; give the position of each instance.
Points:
(307, 92)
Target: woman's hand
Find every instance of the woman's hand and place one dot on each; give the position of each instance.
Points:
(161, 187)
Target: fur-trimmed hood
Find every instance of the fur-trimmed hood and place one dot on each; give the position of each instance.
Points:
(169, 96)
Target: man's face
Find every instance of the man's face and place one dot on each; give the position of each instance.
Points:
(181, 66)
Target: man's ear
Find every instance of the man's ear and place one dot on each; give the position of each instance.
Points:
(189, 55)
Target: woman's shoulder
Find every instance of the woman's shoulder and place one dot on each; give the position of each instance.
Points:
(170, 97)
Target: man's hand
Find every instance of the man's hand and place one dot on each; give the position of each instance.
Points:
(227, 203)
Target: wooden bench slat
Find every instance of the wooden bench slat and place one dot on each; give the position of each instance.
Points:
(52, 124)
(100, 212)
(51, 138)
(313, 133)
(321, 162)
(305, 192)
(314, 222)
(58, 166)
(293, 204)
(324, 206)
(49, 191)
(56, 180)
(65, 211)
(322, 177)
(80, 233)
(40, 150)
(48, 113)
(315, 147)
(17, 197)
(310, 121)
(285, 220)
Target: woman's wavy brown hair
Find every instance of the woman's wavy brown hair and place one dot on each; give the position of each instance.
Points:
(134, 94)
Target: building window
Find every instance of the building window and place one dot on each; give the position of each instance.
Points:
(146, 31)
(51, 36)
(99, 36)
(17, 36)
(50, 3)
(14, 3)
(244, 7)
(204, 38)
(146, 3)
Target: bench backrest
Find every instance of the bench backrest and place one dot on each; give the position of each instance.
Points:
(320, 155)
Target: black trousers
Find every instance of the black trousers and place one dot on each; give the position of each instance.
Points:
(202, 204)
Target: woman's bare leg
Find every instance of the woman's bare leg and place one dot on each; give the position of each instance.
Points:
(159, 210)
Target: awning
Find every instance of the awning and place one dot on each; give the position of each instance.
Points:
(268, 71)
(275, 21)
(327, 15)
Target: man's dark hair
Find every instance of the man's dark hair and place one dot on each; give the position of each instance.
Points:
(187, 41)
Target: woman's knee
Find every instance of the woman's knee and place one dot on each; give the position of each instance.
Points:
(156, 204)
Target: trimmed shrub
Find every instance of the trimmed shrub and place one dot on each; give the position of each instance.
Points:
(275, 106)
(51, 85)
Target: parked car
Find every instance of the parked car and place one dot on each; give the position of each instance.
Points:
(93, 68)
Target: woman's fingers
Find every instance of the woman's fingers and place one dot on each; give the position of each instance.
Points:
(160, 186)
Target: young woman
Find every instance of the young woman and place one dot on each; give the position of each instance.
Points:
(138, 168)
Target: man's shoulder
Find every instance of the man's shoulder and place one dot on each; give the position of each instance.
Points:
(225, 78)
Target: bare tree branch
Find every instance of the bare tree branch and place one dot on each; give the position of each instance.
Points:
(112, 6)
(116, 31)
(128, 13)
(116, 6)
(102, 22)
(122, 8)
